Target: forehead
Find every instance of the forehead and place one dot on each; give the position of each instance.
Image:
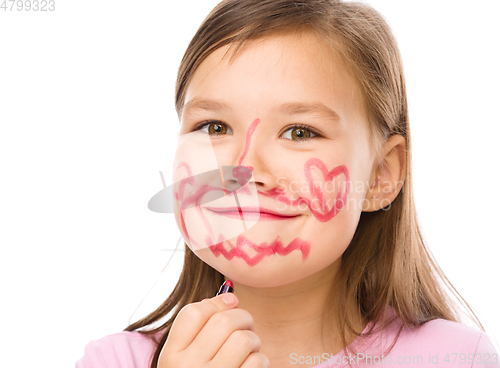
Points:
(278, 69)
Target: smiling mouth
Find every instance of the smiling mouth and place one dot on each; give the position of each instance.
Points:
(251, 213)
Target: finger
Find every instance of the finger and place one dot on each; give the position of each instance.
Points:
(256, 360)
(216, 332)
(236, 349)
(193, 317)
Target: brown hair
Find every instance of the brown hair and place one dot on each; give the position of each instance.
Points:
(387, 262)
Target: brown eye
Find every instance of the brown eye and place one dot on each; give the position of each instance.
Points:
(299, 133)
(217, 128)
(214, 128)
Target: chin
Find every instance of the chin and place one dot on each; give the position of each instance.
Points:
(270, 271)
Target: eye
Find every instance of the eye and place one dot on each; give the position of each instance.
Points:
(215, 127)
(299, 133)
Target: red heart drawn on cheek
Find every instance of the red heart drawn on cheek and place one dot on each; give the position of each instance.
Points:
(319, 205)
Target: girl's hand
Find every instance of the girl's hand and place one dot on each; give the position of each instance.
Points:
(213, 333)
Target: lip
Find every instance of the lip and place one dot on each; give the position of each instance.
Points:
(251, 213)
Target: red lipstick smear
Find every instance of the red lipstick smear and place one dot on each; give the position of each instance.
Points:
(280, 196)
(250, 132)
(189, 177)
(180, 194)
(263, 249)
(242, 175)
(183, 203)
(322, 213)
(196, 198)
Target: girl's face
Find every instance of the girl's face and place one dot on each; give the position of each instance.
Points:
(287, 109)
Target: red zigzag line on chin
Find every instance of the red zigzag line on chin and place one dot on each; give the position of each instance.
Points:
(276, 247)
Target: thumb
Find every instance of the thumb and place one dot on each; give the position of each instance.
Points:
(224, 301)
(193, 317)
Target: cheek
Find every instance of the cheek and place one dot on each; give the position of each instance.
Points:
(328, 189)
(200, 184)
(314, 186)
(323, 190)
(186, 195)
(195, 179)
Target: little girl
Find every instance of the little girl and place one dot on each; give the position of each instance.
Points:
(292, 179)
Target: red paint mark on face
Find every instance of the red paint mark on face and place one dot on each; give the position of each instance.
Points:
(178, 195)
(242, 175)
(194, 200)
(263, 249)
(250, 132)
(322, 213)
(196, 197)
(239, 173)
(189, 177)
(280, 195)
(183, 203)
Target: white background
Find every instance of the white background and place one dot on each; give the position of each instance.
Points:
(88, 121)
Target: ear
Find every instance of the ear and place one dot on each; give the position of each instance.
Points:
(388, 175)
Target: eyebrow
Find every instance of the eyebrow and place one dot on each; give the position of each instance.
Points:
(303, 108)
(206, 105)
(288, 108)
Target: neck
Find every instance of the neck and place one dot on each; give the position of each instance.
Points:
(289, 319)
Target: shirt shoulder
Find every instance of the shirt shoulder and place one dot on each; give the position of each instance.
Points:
(126, 349)
(436, 343)
(446, 343)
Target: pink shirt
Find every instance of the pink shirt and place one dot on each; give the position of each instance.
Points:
(437, 343)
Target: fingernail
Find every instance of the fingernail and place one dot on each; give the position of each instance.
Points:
(228, 298)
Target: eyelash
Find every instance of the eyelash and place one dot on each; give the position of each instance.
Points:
(294, 126)
(314, 133)
(208, 122)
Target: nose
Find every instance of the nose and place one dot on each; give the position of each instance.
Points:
(242, 174)
(248, 139)
(251, 160)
